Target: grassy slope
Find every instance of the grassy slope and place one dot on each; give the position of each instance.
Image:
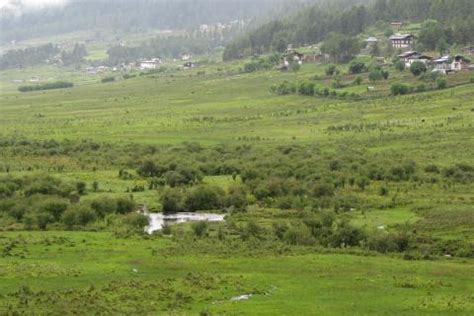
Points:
(331, 284)
(218, 107)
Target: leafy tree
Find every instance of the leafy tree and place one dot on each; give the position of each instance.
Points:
(441, 83)
(375, 75)
(340, 47)
(357, 67)
(125, 205)
(172, 201)
(204, 197)
(81, 187)
(399, 89)
(417, 68)
(399, 65)
(330, 70)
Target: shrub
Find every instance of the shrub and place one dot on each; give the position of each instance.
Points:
(107, 79)
(323, 189)
(306, 88)
(172, 201)
(357, 68)
(125, 205)
(346, 235)
(330, 70)
(358, 80)
(80, 187)
(285, 87)
(47, 86)
(375, 75)
(399, 89)
(432, 168)
(53, 206)
(441, 83)
(399, 65)
(382, 241)
(237, 197)
(299, 235)
(104, 206)
(204, 197)
(136, 220)
(251, 67)
(418, 68)
(200, 228)
(421, 88)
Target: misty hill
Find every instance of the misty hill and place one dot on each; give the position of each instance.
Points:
(19, 21)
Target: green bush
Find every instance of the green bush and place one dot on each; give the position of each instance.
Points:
(172, 201)
(204, 197)
(357, 68)
(399, 65)
(47, 86)
(125, 205)
(418, 68)
(400, 89)
(107, 79)
(306, 88)
(285, 87)
(200, 228)
(330, 70)
(441, 83)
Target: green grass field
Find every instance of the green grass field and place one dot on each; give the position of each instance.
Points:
(61, 272)
(87, 272)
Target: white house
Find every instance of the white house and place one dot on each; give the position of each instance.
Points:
(153, 63)
(402, 40)
(371, 40)
(411, 56)
(447, 64)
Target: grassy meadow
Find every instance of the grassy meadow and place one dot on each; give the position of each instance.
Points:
(227, 122)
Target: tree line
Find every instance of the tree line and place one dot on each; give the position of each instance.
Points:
(313, 24)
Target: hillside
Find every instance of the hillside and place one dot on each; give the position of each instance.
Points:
(285, 163)
(317, 169)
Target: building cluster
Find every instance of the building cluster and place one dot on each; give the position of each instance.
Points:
(405, 42)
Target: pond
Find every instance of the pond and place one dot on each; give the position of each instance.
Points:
(158, 220)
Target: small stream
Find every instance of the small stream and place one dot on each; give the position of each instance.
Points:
(158, 220)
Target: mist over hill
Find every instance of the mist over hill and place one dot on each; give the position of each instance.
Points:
(25, 19)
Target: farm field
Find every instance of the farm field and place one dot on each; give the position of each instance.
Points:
(326, 184)
(98, 273)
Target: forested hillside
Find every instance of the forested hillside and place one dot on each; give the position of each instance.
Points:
(313, 24)
(124, 15)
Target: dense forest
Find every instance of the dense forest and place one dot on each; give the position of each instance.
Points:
(48, 53)
(131, 16)
(313, 24)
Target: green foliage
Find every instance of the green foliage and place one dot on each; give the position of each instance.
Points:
(107, 79)
(375, 75)
(400, 89)
(340, 47)
(204, 197)
(357, 67)
(399, 65)
(330, 70)
(46, 86)
(200, 228)
(172, 201)
(283, 88)
(28, 56)
(441, 83)
(418, 68)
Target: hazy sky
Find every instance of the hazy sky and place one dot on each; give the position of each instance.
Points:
(17, 5)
